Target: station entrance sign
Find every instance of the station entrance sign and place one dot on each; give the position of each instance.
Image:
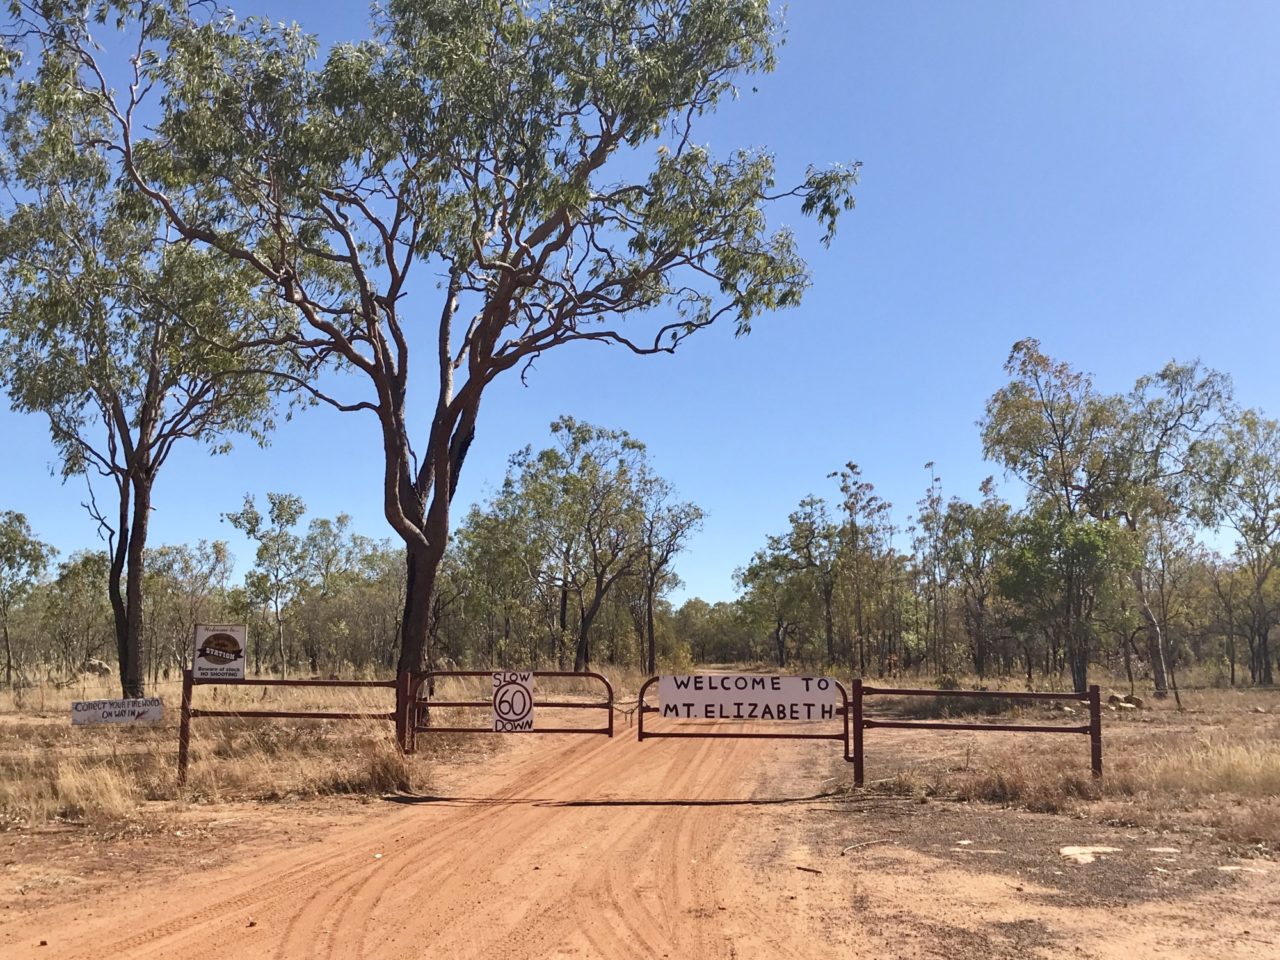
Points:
(219, 651)
(747, 697)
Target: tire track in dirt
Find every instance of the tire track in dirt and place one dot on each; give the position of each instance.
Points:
(590, 849)
(196, 929)
(474, 822)
(614, 921)
(328, 910)
(543, 916)
(468, 858)
(314, 931)
(599, 849)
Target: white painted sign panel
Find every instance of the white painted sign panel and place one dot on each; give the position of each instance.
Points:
(93, 712)
(219, 652)
(747, 697)
(512, 701)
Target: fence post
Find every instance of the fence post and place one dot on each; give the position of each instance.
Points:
(405, 720)
(184, 728)
(856, 707)
(640, 712)
(609, 687)
(1095, 728)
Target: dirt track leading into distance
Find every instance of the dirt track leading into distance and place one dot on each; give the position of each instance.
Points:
(595, 848)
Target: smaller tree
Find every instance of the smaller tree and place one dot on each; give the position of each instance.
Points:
(280, 562)
(810, 549)
(23, 559)
(186, 585)
(974, 536)
(863, 542)
(1244, 493)
(77, 616)
(330, 556)
(584, 505)
(774, 598)
(1058, 568)
(111, 331)
(666, 527)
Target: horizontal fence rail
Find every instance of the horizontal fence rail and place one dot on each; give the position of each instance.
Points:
(422, 705)
(643, 708)
(190, 713)
(861, 722)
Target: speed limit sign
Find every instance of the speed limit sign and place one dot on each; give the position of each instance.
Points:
(512, 701)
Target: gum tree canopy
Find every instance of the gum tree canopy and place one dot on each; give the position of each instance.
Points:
(532, 163)
(110, 325)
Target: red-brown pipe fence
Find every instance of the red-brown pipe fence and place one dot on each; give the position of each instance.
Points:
(410, 713)
(190, 713)
(1093, 730)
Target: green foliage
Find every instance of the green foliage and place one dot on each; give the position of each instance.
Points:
(1139, 460)
(1244, 493)
(77, 618)
(279, 563)
(538, 155)
(123, 334)
(579, 531)
(22, 562)
(23, 558)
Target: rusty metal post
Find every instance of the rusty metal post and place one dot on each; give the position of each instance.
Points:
(184, 728)
(845, 711)
(640, 707)
(399, 711)
(856, 706)
(405, 707)
(1095, 728)
(609, 688)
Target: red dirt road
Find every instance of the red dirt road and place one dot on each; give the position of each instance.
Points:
(595, 848)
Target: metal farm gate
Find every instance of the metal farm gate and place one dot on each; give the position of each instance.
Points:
(424, 703)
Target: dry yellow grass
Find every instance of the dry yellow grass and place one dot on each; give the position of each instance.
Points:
(100, 776)
(1247, 767)
(1213, 766)
(96, 792)
(50, 771)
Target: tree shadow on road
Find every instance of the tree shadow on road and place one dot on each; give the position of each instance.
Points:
(416, 799)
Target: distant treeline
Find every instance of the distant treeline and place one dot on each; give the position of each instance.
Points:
(573, 560)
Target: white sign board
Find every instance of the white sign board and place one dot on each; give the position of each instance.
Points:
(747, 697)
(219, 652)
(512, 701)
(92, 712)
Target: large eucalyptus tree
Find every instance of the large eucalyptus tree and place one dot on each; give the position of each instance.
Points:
(110, 325)
(533, 164)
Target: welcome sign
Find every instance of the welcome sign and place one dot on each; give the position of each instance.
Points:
(746, 697)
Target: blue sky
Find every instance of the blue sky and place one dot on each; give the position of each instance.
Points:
(1097, 175)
